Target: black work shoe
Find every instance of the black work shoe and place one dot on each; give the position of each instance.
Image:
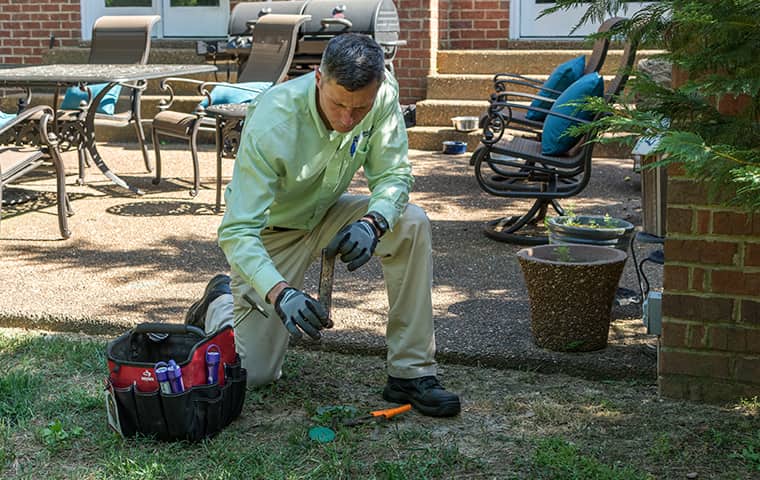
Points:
(196, 314)
(424, 393)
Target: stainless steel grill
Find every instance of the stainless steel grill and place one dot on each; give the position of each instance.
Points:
(376, 18)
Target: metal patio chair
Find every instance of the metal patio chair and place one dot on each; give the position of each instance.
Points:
(514, 166)
(504, 81)
(25, 144)
(118, 40)
(273, 46)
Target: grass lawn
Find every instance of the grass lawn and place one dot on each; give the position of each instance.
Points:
(514, 424)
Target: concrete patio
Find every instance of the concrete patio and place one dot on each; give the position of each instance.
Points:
(146, 258)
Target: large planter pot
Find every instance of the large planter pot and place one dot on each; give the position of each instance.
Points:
(590, 230)
(571, 290)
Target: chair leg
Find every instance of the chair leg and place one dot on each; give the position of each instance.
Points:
(157, 177)
(141, 140)
(82, 156)
(219, 150)
(63, 201)
(196, 167)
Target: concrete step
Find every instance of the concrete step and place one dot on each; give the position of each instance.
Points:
(448, 86)
(432, 138)
(524, 62)
(439, 112)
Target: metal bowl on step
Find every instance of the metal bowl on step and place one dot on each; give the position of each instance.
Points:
(465, 123)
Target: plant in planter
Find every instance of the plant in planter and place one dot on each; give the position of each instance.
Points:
(709, 120)
(590, 230)
(571, 290)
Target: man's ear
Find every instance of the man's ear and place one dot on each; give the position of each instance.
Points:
(318, 76)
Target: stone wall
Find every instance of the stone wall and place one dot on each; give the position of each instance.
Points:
(710, 344)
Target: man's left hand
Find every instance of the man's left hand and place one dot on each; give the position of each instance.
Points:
(355, 242)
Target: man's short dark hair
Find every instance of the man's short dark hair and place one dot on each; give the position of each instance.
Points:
(353, 61)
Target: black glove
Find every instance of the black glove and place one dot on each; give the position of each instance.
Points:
(298, 310)
(355, 242)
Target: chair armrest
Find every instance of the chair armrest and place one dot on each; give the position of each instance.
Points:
(206, 92)
(498, 121)
(27, 117)
(507, 94)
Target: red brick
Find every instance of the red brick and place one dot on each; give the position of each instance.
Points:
(695, 308)
(732, 223)
(679, 220)
(699, 280)
(674, 335)
(698, 364)
(727, 338)
(676, 277)
(748, 370)
(750, 312)
(704, 221)
(752, 254)
(676, 170)
(735, 283)
(701, 251)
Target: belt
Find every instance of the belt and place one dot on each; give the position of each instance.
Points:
(273, 228)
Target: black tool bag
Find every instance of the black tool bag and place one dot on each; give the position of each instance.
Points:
(136, 404)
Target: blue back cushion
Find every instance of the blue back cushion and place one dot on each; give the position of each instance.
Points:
(221, 94)
(5, 118)
(553, 139)
(107, 105)
(561, 78)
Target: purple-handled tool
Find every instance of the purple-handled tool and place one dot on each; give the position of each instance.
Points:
(213, 357)
(162, 375)
(175, 377)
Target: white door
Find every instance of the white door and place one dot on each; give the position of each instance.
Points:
(525, 14)
(179, 18)
(195, 18)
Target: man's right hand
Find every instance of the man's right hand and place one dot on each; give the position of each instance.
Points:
(299, 312)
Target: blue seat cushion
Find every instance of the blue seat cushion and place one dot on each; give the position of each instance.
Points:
(107, 105)
(5, 118)
(562, 77)
(221, 94)
(553, 140)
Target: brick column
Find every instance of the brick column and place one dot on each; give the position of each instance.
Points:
(415, 61)
(474, 24)
(26, 28)
(710, 344)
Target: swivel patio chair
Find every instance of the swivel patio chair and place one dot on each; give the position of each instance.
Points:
(273, 45)
(516, 167)
(544, 95)
(115, 40)
(25, 144)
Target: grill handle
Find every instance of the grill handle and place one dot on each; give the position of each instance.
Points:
(326, 22)
(392, 43)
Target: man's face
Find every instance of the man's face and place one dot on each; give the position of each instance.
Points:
(340, 109)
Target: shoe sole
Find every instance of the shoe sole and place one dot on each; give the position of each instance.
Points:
(203, 302)
(445, 409)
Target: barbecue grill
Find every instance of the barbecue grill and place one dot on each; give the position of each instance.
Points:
(329, 18)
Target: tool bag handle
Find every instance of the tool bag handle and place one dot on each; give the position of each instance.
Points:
(175, 328)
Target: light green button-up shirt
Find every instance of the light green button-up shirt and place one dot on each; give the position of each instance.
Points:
(290, 169)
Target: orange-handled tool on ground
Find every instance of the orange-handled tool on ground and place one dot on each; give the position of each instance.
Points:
(378, 415)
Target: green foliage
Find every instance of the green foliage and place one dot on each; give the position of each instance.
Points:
(557, 459)
(55, 434)
(715, 44)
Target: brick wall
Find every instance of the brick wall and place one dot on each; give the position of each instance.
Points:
(27, 25)
(415, 61)
(474, 24)
(710, 344)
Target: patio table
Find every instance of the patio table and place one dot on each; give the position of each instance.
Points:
(229, 124)
(66, 75)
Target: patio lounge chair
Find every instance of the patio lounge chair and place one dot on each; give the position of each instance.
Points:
(543, 95)
(115, 40)
(273, 46)
(515, 167)
(27, 145)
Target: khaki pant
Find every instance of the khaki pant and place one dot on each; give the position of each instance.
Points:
(406, 257)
